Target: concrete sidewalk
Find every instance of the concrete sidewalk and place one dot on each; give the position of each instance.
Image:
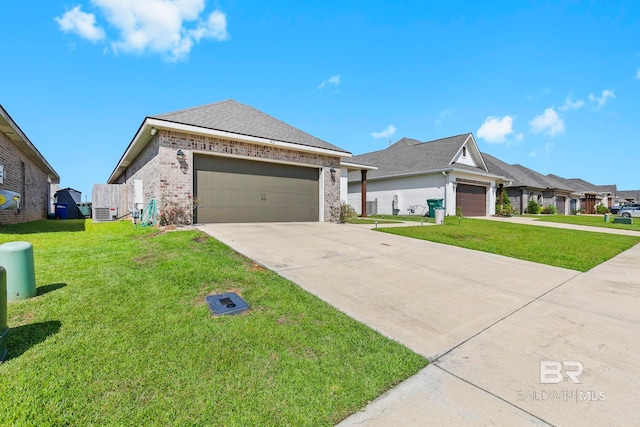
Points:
(485, 321)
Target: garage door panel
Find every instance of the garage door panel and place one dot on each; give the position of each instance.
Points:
(560, 202)
(232, 190)
(472, 199)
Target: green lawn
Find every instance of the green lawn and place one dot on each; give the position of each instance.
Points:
(589, 220)
(577, 250)
(119, 334)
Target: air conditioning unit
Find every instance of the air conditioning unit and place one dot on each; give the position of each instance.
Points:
(109, 213)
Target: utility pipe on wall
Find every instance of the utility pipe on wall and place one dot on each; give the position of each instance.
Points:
(445, 191)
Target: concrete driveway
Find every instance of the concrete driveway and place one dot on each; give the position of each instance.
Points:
(485, 321)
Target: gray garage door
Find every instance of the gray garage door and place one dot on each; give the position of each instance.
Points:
(472, 199)
(235, 190)
(560, 205)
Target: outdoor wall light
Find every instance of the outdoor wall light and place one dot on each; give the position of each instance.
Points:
(153, 131)
(180, 155)
(333, 175)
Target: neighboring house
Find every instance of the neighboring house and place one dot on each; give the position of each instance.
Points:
(610, 194)
(528, 185)
(240, 164)
(627, 196)
(590, 195)
(410, 172)
(26, 177)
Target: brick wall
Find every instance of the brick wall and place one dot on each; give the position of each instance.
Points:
(24, 177)
(144, 167)
(164, 177)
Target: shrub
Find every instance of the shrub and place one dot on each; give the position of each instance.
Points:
(459, 214)
(601, 209)
(506, 209)
(173, 212)
(533, 208)
(549, 210)
(342, 213)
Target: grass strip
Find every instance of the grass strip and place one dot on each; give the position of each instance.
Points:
(589, 220)
(576, 250)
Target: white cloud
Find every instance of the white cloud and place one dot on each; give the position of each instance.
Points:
(443, 115)
(333, 80)
(494, 130)
(533, 154)
(166, 27)
(81, 23)
(390, 130)
(603, 99)
(549, 123)
(572, 105)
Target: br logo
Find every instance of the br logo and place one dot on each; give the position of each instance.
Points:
(552, 372)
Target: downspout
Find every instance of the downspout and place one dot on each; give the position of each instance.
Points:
(363, 191)
(445, 190)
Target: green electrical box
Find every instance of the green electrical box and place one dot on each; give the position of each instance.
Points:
(4, 330)
(17, 260)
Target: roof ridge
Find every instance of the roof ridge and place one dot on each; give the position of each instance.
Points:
(197, 107)
(447, 137)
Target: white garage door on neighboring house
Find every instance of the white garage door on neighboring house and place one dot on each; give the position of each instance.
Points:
(237, 190)
(472, 199)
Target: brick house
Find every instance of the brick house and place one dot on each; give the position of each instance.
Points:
(241, 164)
(528, 185)
(25, 175)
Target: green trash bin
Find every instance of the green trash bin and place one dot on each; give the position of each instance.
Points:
(17, 260)
(4, 330)
(433, 205)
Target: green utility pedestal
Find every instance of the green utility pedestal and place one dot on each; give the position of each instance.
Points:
(17, 259)
(4, 330)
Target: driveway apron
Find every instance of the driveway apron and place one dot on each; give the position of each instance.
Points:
(485, 321)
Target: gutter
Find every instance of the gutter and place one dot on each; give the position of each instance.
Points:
(447, 170)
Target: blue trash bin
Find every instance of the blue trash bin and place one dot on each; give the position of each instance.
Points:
(61, 210)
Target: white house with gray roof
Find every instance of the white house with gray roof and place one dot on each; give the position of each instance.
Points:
(241, 164)
(410, 172)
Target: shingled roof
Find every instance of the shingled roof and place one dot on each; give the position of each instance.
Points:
(629, 195)
(518, 177)
(241, 119)
(412, 156)
(525, 177)
(12, 131)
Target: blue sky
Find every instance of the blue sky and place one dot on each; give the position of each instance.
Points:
(553, 86)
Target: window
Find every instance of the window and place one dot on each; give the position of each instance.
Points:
(464, 151)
